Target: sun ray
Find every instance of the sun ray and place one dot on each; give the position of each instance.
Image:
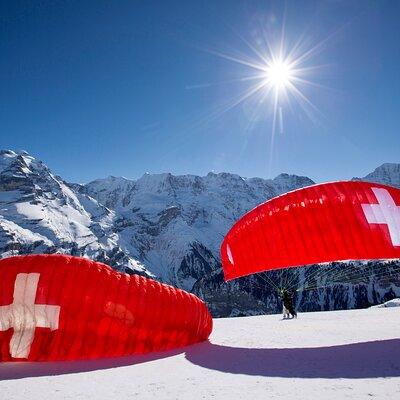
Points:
(236, 80)
(311, 83)
(280, 73)
(252, 64)
(262, 56)
(276, 98)
(229, 105)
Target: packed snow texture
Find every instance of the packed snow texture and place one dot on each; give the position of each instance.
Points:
(323, 355)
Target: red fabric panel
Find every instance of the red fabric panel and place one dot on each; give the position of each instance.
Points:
(101, 313)
(316, 224)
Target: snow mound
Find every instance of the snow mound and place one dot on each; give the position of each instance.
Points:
(390, 303)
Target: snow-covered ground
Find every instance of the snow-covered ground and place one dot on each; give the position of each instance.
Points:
(326, 355)
(390, 303)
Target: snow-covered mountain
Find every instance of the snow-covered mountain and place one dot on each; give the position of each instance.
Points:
(388, 173)
(165, 226)
(40, 213)
(175, 224)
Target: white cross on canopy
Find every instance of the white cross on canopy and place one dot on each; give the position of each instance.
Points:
(385, 212)
(24, 316)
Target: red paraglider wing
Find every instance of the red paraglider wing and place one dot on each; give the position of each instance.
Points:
(56, 307)
(321, 223)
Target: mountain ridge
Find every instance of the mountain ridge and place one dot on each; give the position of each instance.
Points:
(160, 225)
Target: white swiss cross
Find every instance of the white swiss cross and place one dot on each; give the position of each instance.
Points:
(24, 316)
(385, 212)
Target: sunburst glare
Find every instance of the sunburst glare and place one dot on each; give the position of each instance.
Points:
(277, 76)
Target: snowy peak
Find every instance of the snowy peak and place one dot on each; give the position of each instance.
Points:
(20, 164)
(168, 184)
(285, 182)
(181, 186)
(165, 219)
(30, 179)
(388, 173)
(39, 213)
(113, 192)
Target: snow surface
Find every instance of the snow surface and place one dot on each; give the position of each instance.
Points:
(325, 355)
(390, 303)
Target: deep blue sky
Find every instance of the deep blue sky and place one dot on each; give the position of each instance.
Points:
(97, 88)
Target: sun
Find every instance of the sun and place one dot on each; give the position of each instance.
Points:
(279, 75)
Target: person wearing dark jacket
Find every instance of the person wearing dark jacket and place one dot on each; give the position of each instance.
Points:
(288, 308)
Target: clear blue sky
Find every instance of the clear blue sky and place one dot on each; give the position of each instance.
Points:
(98, 88)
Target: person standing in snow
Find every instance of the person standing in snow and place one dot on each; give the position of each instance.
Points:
(288, 308)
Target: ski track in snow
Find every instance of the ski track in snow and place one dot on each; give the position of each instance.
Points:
(326, 355)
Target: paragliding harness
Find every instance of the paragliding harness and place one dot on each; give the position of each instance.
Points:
(288, 308)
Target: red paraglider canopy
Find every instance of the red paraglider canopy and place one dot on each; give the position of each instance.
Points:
(322, 223)
(57, 307)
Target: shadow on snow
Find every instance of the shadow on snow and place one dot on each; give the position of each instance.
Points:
(358, 360)
(19, 370)
(374, 359)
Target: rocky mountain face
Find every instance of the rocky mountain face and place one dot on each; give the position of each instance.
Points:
(255, 294)
(40, 213)
(387, 173)
(164, 226)
(174, 224)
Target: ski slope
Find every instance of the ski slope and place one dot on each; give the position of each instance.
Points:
(325, 355)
